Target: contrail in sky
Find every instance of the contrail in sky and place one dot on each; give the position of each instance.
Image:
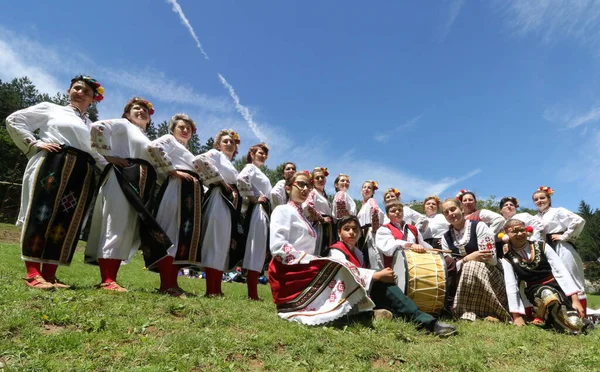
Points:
(177, 9)
(243, 110)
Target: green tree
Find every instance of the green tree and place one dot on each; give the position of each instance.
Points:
(588, 243)
(209, 145)
(151, 131)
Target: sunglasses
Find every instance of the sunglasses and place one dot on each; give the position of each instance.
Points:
(303, 185)
(318, 178)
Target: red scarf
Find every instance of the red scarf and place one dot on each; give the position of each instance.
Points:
(398, 235)
(341, 246)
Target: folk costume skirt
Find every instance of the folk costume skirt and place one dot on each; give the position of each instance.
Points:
(56, 197)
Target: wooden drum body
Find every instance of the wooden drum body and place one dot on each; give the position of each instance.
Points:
(422, 277)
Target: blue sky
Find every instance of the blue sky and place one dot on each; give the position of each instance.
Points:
(498, 97)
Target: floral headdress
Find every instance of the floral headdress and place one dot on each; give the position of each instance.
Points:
(376, 185)
(394, 191)
(96, 87)
(322, 169)
(144, 102)
(235, 136)
(461, 193)
(309, 175)
(546, 189)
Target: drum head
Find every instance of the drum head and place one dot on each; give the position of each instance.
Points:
(399, 267)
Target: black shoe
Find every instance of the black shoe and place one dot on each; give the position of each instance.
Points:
(443, 329)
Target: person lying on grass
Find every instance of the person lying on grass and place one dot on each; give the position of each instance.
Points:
(383, 289)
(548, 284)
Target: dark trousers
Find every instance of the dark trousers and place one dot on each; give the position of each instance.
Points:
(451, 281)
(389, 296)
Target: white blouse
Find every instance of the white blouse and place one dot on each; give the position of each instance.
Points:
(56, 124)
(168, 154)
(562, 220)
(291, 235)
(278, 195)
(494, 220)
(387, 244)
(213, 166)
(371, 214)
(252, 181)
(343, 205)
(437, 226)
(316, 205)
(560, 272)
(535, 222)
(485, 241)
(120, 138)
(412, 217)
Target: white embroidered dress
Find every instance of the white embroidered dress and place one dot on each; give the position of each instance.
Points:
(569, 225)
(167, 154)
(292, 242)
(315, 207)
(343, 205)
(214, 167)
(371, 214)
(114, 232)
(56, 124)
(436, 227)
(253, 182)
(278, 196)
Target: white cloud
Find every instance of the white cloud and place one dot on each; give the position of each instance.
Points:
(572, 120)
(383, 137)
(177, 9)
(453, 12)
(555, 20)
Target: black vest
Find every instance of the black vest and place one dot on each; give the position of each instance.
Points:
(470, 247)
(531, 271)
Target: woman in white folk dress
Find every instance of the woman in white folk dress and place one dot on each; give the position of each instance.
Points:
(492, 219)
(343, 204)
(56, 140)
(370, 217)
(306, 288)
(410, 215)
(255, 185)
(318, 209)
(437, 224)
(508, 208)
(221, 208)
(180, 202)
(120, 216)
(562, 228)
(278, 195)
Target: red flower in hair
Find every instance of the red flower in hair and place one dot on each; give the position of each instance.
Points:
(529, 229)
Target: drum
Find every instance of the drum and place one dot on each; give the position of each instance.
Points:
(422, 277)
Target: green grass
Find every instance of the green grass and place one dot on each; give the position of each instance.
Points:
(90, 329)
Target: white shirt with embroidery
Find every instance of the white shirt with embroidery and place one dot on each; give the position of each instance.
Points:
(485, 241)
(316, 205)
(214, 167)
(388, 245)
(436, 227)
(343, 205)
(252, 181)
(562, 220)
(167, 155)
(278, 196)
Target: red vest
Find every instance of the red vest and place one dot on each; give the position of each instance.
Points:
(341, 246)
(398, 235)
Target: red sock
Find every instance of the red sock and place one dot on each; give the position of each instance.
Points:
(252, 282)
(49, 271)
(584, 305)
(165, 266)
(174, 275)
(210, 278)
(218, 281)
(529, 312)
(33, 269)
(111, 269)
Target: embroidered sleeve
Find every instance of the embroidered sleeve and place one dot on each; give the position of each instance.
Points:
(160, 151)
(486, 241)
(415, 218)
(101, 135)
(375, 213)
(340, 206)
(244, 181)
(310, 210)
(573, 222)
(280, 246)
(515, 303)
(206, 166)
(494, 220)
(21, 124)
(385, 242)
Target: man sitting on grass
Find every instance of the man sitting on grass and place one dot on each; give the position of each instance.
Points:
(383, 289)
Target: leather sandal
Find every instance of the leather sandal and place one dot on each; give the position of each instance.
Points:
(57, 283)
(112, 286)
(39, 282)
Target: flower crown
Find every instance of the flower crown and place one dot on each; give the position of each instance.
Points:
(233, 135)
(145, 102)
(322, 169)
(394, 191)
(375, 184)
(546, 189)
(461, 193)
(96, 87)
(309, 175)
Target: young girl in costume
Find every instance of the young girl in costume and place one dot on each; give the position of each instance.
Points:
(180, 201)
(437, 224)
(383, 290)
(343, 204)
(255, 185)
(222, 209)
(58, 183)
(318, 210)
(370, 217)
(548, 284)
(494, 221)
(120, 215)
(562, 229)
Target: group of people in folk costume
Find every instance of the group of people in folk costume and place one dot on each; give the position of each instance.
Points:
(328, 258)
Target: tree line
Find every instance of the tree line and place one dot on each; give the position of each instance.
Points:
(21, 93)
